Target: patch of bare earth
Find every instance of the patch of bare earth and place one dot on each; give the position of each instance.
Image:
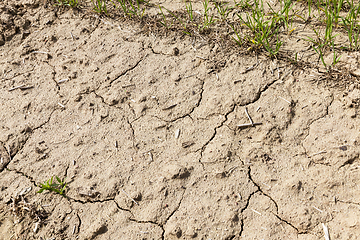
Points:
(146, 131)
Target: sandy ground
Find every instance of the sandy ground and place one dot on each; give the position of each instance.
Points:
(145, 130)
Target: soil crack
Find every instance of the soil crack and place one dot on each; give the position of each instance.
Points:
(288, 223)
(257, 97)
(215, 132)
(259, 188)
(192, 109)
(307, 129)
(30, 132)
(129, 69)
(276, 205)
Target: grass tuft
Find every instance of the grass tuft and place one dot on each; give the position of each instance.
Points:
(68, 3)
(250, 25)
(99, 6)
(58, 188)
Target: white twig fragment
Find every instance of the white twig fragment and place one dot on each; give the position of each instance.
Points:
(177, 133)
(285, 100)
(26, 208)
(63, 80)
(73, 232)
(217, 76)
(250, 68)
(25, 191)
(11, 89)
(326, 232)
(258, 109)
(190, 76)
(231, 170)
(36, 227)
(317, 209)
(201, 57)
(151, 156)
(39, 52)
(9, 150)
(102, 46)
(129, 197)
(256, 212)
(2, 161)
(269, 187)
(286, 74)
(61, 105)
(239, 196)
(318, 153)
(129, 85)
(72, 36)
(247, 114)
(170, 107)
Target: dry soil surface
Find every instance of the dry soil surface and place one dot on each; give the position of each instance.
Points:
(145, 128)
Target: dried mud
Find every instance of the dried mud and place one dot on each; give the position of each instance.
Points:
(146, 133)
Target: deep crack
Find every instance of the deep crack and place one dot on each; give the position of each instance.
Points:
(276, 205)
(259, 188)
(215, 131)
(288, 223)
(171, 214)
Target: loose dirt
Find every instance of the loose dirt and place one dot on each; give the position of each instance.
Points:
(145, 129)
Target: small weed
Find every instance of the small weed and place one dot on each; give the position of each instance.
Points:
(351, 26)
(133, 9)
(335, 7)
(309, 8)
(223, 10)
(283, 15)
(54, 187)
(69, 3)
(164, 22)
(99, 6)
(321, 43)
(177, 18)
(336, 58)
(318, 46)
(208, 20)
(238, 39)
(190, 11)
(331, 21)
(263, 29)
(269, 46)
(243, 4)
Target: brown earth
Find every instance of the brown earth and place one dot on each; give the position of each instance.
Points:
(145, 129)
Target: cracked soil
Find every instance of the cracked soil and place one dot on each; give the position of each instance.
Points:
(145, 130)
